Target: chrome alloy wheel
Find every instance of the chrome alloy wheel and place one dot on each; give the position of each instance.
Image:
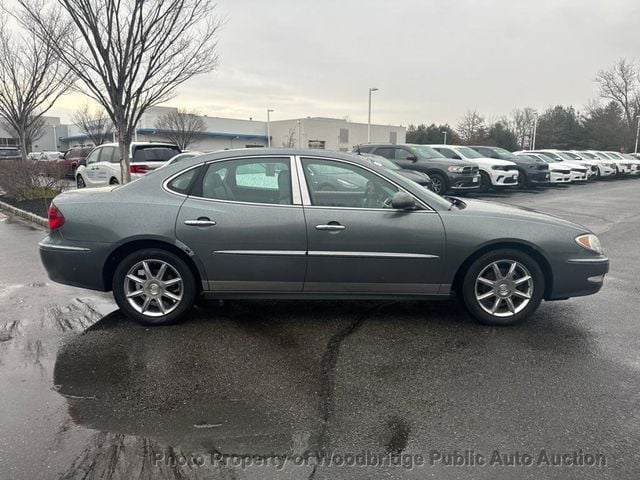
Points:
(504, 288)
(153, 287)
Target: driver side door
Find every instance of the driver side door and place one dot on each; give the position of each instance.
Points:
(359, 244)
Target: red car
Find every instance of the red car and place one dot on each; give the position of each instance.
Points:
(72, 157)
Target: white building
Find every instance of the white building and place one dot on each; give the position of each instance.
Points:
(310, 132)
(331, 133)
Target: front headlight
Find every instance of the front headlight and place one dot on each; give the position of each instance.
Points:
(590, 242)
(455, 169)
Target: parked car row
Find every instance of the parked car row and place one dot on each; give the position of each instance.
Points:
(456, 168)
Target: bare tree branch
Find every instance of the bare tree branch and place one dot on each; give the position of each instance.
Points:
(32, 78)
(96, 125)
(180, 127)
(128, 55)
(621, 84)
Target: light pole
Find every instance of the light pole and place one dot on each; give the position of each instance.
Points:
(535, 132)
(372, 89)
(445, 136)
(269, 110)
(299, 138)
(637, 135)
(55, 138)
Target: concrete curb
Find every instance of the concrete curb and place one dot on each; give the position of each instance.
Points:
(32, 217)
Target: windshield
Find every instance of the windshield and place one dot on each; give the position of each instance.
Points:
(546, 157)
(615, 155)
(425, 152)
(588, 155)
(468, 152)
(159, 153)
(504, 154)
(571, 156)
(379, 161)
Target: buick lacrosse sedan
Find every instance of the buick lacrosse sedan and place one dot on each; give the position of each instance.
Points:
(262, 224)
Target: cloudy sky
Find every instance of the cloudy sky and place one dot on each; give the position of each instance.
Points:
(432, 60)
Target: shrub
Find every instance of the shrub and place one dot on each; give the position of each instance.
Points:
(28, 180)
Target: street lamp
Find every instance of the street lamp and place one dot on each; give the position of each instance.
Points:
(637, 135)
(269, 110)
(372, 89)
(55, 138)
(445, 136)
(535, 132)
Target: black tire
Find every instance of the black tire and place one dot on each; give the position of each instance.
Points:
(113, 181)
(438, 183)
(474, 306)
(485, 182)
(189, 289)
(80, 182)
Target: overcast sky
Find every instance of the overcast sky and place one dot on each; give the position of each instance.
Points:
(431, 60)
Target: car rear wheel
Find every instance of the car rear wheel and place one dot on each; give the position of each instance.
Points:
(503, 287)
(80, 182)
(154, 287)
(438, 183)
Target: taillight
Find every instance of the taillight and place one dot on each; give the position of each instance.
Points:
(56, 219)
(137, 168)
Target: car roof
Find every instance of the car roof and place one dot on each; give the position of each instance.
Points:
(136, 144)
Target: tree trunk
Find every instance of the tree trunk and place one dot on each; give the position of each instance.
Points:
(124, 140)
(23, 144)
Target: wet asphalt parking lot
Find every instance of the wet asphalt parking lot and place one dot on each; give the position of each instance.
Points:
(244, 389)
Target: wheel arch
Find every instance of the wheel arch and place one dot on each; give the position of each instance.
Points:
(523, 246)
(131, 245)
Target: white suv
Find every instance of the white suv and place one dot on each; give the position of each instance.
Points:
(493, 172)
(102, 165)
(579, 172)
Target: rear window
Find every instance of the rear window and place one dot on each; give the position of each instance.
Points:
(9, 152)
(154, 154)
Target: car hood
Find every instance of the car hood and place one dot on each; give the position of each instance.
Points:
(493, 161)
(481, 208)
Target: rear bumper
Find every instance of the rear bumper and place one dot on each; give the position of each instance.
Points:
(74, 265)
(578, 277)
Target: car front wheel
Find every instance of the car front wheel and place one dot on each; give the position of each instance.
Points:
(80, 182)
(154, 287)
(438, 183)
(503, 287)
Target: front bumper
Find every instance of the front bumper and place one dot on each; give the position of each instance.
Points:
(559, 177)
(539, 177)
(579, 175)
(75, 265)
(503, 178)
(463, 182)
(578, 277)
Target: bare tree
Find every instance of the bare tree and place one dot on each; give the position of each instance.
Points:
(180, 127)
(35, 129)
(621, 84)
(471, 128)
(95, 124)
(289, 140)
(128, 54)
(520, 122)
(32, 78)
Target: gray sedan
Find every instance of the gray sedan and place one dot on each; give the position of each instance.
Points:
(262, 224)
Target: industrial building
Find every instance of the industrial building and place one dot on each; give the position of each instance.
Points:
(221, 133)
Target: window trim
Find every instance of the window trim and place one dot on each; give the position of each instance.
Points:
(295, 188)
(306, 198)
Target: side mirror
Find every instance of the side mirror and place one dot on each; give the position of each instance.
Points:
(403, 201)
(412, 158)
(82, 162)
(61, 156)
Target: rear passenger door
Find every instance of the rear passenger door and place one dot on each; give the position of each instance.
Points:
(244, 221)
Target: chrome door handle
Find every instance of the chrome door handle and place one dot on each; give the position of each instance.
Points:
(330, 227)
(199, 223)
